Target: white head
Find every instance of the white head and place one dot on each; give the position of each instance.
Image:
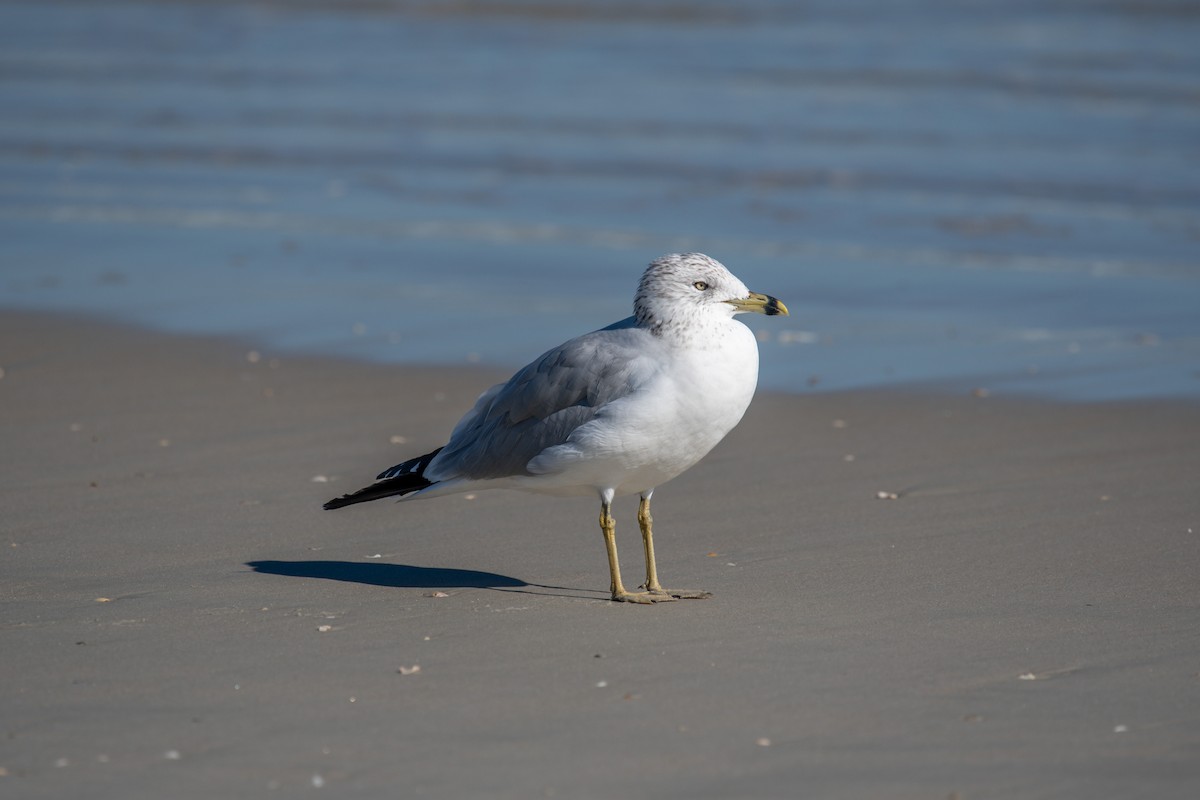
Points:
(683, 288)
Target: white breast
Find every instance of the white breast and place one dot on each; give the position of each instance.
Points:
(663, 428)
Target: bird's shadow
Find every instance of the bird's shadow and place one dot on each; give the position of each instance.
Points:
(408, 577)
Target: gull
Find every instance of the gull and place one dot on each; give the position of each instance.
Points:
(617, 411)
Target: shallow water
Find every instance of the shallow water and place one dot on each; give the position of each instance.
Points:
(1002, 195)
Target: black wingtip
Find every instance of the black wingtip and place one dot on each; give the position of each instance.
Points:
(400, 485)
(401, 479)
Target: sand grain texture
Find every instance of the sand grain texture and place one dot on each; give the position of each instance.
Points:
(180, 617)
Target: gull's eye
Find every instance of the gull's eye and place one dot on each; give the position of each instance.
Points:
(701, 285)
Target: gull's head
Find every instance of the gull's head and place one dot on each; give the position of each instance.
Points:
(680, 288)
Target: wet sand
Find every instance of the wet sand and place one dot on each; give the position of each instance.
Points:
(180, 617)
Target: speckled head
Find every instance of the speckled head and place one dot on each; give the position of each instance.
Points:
(682, 288)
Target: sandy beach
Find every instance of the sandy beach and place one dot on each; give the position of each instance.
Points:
(180, 617)
(918, 594)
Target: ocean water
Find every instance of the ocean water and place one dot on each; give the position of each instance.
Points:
(995, 195)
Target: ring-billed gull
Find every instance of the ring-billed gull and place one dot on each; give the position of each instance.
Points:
(617, 411)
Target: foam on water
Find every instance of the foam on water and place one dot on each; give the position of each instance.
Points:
(972, 195)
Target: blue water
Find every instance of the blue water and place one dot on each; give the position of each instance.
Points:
(1002, 195)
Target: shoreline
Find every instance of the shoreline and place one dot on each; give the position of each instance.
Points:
(181, 616)
(979, 386)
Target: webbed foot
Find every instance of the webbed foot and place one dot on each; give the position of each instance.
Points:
(681, 594)
(641, 597)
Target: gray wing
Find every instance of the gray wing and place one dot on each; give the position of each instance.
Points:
(542, 404)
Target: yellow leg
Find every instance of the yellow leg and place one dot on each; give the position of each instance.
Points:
(608, 526)
(646, 523)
